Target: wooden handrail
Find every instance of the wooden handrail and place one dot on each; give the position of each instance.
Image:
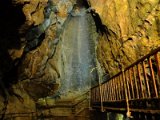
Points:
(133, 64)
(139, 81)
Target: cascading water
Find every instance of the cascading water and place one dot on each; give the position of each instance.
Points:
(77, 57)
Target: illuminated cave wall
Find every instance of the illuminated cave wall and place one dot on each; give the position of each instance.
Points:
(134, 30)
(29, 35)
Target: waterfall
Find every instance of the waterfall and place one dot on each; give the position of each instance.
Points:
(77, 53)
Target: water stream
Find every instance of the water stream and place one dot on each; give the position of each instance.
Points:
(77, 53)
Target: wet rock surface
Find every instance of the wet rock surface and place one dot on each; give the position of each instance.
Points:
(28, 57)
(77, 56)
(35, 49)
(133, 31)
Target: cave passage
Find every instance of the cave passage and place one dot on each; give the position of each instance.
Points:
(78, 52)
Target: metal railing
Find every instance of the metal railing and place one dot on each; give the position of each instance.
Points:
(138, 82)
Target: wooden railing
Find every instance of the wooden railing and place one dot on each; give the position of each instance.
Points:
(137, 83)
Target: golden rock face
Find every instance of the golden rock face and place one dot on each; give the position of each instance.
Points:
(37, 73)
(136, 27)
(40, 64)
(33, 11)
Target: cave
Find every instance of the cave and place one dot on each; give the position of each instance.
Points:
(79, 60)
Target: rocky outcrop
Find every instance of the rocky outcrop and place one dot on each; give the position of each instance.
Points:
(39, 66)
(133, 31)
(29, 60)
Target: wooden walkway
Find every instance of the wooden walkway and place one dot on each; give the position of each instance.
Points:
(134, 89)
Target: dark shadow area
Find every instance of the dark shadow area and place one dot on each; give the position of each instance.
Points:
(11, 19)
(83, 3)
(100, 27)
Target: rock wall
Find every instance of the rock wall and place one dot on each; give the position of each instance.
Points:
(29, 69)
(134, 30)
(39, 66)
(29, 36)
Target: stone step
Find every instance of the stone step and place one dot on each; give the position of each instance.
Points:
(84, 115)
(67, 109)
